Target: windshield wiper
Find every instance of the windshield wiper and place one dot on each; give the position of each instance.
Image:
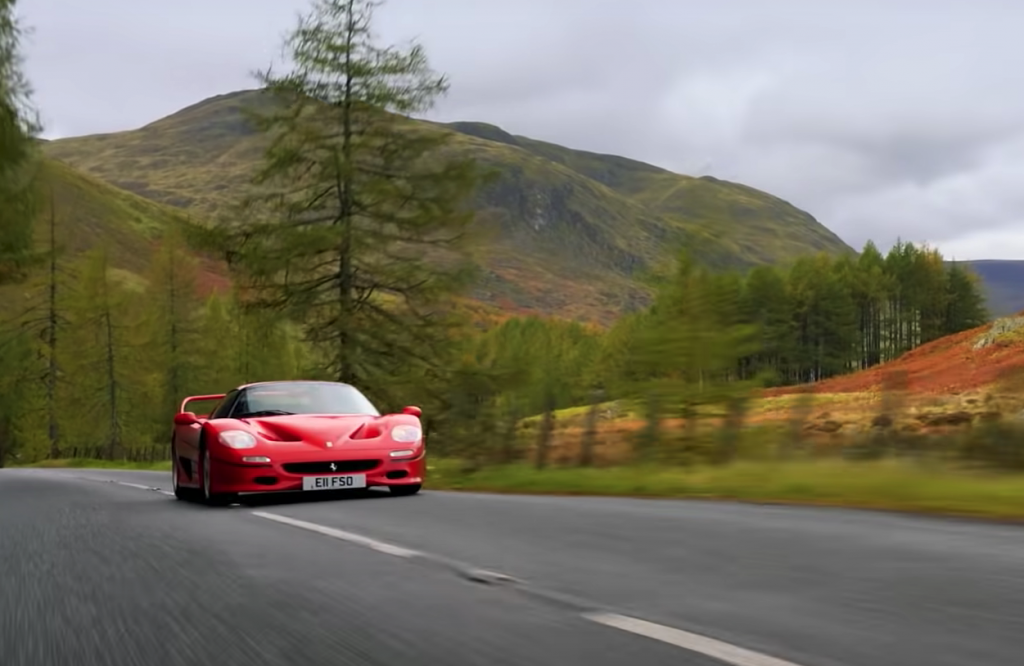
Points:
(265, 412)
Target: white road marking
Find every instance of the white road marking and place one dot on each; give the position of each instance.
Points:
(379, 546)
(730, 654)
(720, 650)
(130, 485)
(133, 485)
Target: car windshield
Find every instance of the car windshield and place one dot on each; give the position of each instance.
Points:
(278, 399)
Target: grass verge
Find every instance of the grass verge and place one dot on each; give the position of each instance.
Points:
(889, 485)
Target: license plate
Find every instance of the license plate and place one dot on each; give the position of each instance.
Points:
(334, 482)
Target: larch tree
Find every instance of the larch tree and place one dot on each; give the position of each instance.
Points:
(356, 226)
(100, 360)
(45, 322)
(965, 300)
(19, 195)
(53, 323)
(171, 325)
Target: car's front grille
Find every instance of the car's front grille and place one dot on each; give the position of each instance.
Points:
(324, 467)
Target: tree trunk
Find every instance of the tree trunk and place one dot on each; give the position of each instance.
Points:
(51, 343)
(114, 444)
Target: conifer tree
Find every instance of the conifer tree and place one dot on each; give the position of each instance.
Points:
(356, 226)
(19, 196)
(100, 360)
(965, 302)
(171, 323)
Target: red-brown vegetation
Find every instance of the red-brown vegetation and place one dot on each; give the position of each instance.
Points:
(946, 366)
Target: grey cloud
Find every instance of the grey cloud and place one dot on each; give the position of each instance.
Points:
(883, 118)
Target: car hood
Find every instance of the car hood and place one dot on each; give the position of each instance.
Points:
(311, 429)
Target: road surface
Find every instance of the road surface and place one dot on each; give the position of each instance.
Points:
(103, 567)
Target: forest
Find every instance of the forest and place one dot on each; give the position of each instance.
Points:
(95, 366)
(351, 256)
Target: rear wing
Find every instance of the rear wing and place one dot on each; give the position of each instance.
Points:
(198, 398)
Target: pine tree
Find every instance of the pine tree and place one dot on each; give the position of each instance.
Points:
(965, 302)
(357, 226)
(45, 322)
(870, 294)
(767, 305)
(19, 196)
(101, 364)
(54, 322)
(691, 350)
(224, 347)
(170, 332)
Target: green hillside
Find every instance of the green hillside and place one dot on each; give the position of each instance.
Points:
(570, 231)
(90, 212)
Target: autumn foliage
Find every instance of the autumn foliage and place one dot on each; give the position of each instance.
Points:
(953, 364)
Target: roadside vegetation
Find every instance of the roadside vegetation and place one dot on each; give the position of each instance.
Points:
(351, 257)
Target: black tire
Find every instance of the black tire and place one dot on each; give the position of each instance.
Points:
(405, 490)
(184, 494)
(211, 499)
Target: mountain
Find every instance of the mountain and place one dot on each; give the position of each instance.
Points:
(572, 231)
(1004, 284)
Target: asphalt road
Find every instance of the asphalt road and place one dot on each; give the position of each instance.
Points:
(94, 572)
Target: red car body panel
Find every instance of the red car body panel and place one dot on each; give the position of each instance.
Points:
(298, 446)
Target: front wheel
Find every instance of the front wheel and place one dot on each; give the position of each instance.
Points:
(209, 497)
(406, 490)
(179, 492)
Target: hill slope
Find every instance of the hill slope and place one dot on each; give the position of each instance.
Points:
(572, 229)
(90, 212)
(970, 360)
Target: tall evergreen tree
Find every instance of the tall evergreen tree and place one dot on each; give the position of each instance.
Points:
(965, 302)
(100, 361)
(870, 289)
(171, 324)
(19, 196)
(767, 304)
(357, 224)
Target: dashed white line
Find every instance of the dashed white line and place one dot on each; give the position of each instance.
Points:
(130, 485)
(730, 654)
(379, 546)
(133, 485)
(710, 647)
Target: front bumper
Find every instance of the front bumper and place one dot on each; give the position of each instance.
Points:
(285, 473)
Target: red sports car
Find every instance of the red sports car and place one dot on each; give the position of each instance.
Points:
(294, 436)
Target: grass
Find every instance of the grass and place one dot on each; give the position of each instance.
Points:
(569, 229)
(890, 485)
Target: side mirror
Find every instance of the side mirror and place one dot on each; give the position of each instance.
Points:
(412, 411)
(185, 419)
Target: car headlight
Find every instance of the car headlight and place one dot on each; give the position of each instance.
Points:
(237, 439)
(406, 433)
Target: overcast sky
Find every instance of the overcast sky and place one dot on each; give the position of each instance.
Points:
(882, 118)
